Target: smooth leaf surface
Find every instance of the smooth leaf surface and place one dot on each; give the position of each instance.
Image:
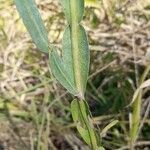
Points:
(76, 11)
(33, 22)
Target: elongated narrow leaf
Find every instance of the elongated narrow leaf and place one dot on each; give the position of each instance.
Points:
(60, 73)
(72, 66)
(75, 111)
(67, 55)
(73, 9)
(81, 118)
(85, 134)
(110, 125)
(142, 86)
(76, 56)
(88, 135)
(33, 22)
(79, 110)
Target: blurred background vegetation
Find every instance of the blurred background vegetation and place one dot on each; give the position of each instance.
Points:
(35, 109)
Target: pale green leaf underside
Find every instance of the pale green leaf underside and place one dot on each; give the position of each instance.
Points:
(67, 61)
(60, 73)
(33, 22)
(67, 9)
(67, 55)
(77, 42)
(83, 55)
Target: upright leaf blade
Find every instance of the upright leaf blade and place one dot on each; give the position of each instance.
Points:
(67, 54)
(78, 9)
(81, 57)
(84, 134)
(33, 22)
(60, 73)
(75, 111)
(75, 45)
(79, 110)
(76, 57)
(110, 125)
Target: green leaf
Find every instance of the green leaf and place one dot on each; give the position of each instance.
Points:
(79, 111)
(84, 134)
(93, 3)
(110, 125)
(142, 86)
(84, 126)
(67, 54)
(77, 43)
(76, 56)
(33, 22)
(73, 9)
(75, 110)
(88, 135)
(100, 148)
(74, 68)
(60, 73)
(84, 109)
(81, 58)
